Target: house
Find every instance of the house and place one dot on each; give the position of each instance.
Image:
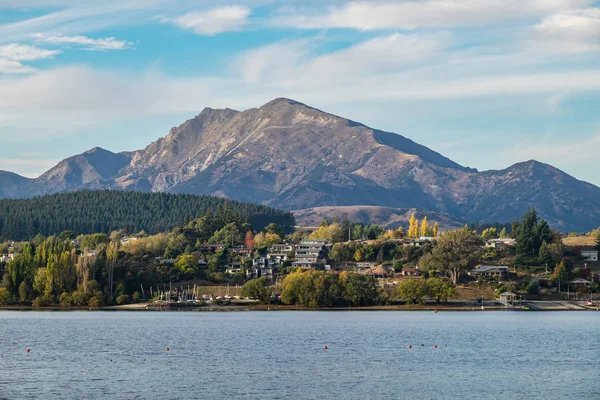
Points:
(260, 262)
(589, 255)
(282, 248)
(233, 269)
(378, 273)
(165, 261)
(311, 251)
(410, 272)
(280, 257)
(6, 258)
(211, 248)
(269, 272)
(242, 251)
(253, 273)
(304, 264)
(202, 263)
(126, 240)
(489, 270)
(276, 260)
(415, 242)
(499, 243)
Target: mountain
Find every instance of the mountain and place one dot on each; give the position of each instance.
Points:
(289, 155)
(91, 170)
(12, 185)
(389, 218)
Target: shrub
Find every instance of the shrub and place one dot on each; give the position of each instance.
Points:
(96, 301)
(123, 299)
(80, 298)
(5, 297)
(135, 297)
(66, 300)
(44, 300)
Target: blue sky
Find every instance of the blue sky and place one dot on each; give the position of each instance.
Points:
(486, 83)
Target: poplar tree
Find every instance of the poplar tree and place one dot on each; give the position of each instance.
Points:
(413, 227)
(424, 227)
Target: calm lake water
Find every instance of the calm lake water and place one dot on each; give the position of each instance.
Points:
(280, 355)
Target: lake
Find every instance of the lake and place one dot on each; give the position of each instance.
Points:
(281, 355)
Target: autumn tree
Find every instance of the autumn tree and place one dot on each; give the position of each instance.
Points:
(334, 233)
(424, 227)
(413, 227)
(249, 240)
(265, 240)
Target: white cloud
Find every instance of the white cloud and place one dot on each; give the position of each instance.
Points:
(375, 15)
(216, 20)
(20, 52)
(571, 31)
(109, 43)
(292, 64)
(14, 67)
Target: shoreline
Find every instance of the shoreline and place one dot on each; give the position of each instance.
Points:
(459, 307)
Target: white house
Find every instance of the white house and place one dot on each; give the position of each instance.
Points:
(589, 255)
(498, 243)
(6, 258)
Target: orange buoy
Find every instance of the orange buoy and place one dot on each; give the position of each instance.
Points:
(325, 348)
(28, 350)
(168, 349)
(410, 347)
(435, 346)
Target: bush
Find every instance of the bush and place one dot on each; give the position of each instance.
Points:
(96, 301)
(135, 297)
(122, 299)
(44, 300)
(66, 300)
(80, 298)
(5, 297)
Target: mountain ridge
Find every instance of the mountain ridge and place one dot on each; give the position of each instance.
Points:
(293, 156)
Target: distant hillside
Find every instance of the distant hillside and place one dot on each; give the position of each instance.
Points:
(104, 211)
(387, 217)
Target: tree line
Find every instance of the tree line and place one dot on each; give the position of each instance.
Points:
(103, 211)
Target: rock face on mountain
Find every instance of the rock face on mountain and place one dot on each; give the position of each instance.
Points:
(289, 155)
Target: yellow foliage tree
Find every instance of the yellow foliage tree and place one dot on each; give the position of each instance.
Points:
(358, 255)
(424, 227)
(333, 233)
(266, 240)
(394, 234)
(435, 230)
(413, 227)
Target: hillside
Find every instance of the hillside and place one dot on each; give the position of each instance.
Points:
(107, 210)
(389, 218)
(289, 155)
